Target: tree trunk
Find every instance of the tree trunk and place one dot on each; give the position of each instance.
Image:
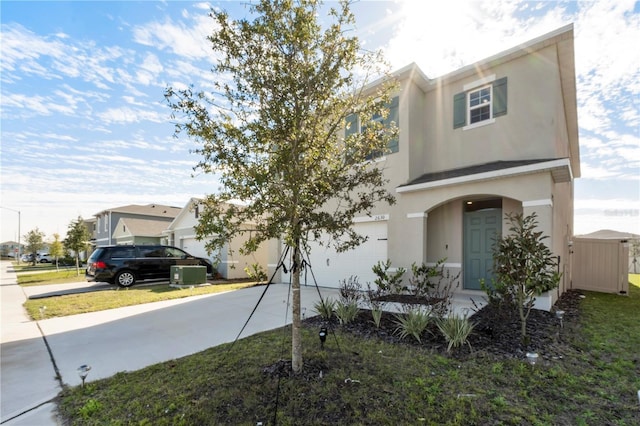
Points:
(296, 340)
(523, 325)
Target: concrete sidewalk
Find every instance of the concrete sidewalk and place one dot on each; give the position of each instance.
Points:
(124, 339)
(28, 379)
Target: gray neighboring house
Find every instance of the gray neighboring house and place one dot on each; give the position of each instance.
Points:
(107, 222)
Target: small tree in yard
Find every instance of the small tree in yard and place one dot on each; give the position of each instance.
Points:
(523, 267)
(35, 243)
(273, 132)
(77, 239)
(56, 249)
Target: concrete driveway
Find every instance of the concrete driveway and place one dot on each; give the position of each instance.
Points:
(38, 357)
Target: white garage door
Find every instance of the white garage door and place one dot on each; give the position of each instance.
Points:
(194, 247)
(330, 267)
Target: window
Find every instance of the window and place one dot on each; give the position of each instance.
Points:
(197, 211)
(481, 104)
(354, 125)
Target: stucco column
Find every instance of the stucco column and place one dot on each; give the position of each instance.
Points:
(544, 216)
(414, 239)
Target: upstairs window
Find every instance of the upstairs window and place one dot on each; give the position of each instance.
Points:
(481, 104)
(354, 125)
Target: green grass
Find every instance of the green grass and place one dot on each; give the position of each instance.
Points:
(44, 275)
(368, 381)
(59, 306)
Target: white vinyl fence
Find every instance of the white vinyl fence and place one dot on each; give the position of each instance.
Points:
(600, 265)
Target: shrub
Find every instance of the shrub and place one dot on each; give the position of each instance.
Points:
(325, 308)
(523, 268)
(412, 323)
(376, 313)
(256, 272)
(456, 330)
(389, 282)
(436, 284)
(350, 290)
(346, 311)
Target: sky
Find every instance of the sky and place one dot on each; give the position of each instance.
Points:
(85, 127)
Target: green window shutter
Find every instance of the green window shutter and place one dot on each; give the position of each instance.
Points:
(459, 110)
(393, 117)
(352, 125)
(500, 97)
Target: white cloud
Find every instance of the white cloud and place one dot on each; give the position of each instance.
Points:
(186, 39)
(130, 115)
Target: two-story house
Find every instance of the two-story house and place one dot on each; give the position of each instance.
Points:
(133, 224)
(494, 137)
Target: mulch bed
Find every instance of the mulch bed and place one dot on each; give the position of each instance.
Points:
(496, 333)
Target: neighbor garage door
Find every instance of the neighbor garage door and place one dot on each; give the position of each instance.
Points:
(330, 267)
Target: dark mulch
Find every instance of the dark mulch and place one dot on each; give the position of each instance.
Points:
(496, 334)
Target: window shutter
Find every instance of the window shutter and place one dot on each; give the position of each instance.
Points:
(459, 110)
(393, 117)
(352, 125)
(500, 97)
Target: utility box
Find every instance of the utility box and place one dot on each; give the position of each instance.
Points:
(188, 275)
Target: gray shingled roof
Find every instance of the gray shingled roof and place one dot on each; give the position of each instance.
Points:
(472, 170)
(146, 210)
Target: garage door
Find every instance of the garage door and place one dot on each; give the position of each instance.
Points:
(330, 267)
(193, 247)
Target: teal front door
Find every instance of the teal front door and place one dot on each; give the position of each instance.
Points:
(481, 228)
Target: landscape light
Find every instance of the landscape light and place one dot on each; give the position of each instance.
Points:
(83, 372)
(323, 336)
(532, 358)
(560, 315)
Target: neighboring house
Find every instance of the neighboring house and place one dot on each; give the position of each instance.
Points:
(230, 263)
(11, 249)
(498, 136)
(106, 221)
(139, 231)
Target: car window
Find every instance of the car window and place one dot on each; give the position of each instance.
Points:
(123, 252)
(152, 251)
(176, 252)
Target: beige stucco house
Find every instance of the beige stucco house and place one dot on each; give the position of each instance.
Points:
(230, 263)
(497, 136)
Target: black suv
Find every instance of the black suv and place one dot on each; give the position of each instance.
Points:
(126, 264)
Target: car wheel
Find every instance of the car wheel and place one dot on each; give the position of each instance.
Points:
(125, 279)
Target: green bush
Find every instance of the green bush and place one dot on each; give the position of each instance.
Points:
(325, 308)
(346, 311)
(389, 282)
(412, 323)
(456, 330)
(523, 266)
(376, 313)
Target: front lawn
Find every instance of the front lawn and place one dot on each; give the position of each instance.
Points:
(71, 304)
(362, 378)
(44, 274)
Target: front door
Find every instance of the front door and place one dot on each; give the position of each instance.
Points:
(481, 228)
